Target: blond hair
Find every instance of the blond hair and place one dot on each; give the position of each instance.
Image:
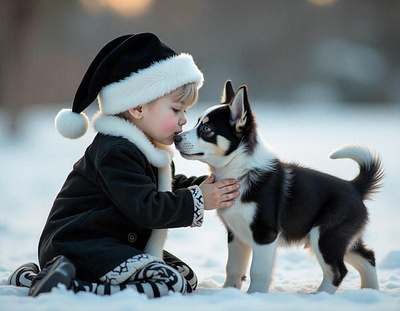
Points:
(187, 94)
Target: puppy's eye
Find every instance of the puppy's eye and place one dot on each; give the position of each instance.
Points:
(206, 129)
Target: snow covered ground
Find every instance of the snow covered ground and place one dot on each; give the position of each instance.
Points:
(34, 164)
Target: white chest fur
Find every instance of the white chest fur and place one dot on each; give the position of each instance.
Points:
(239, 216)
(238, 219)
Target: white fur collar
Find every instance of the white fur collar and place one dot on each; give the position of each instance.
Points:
(158, 155)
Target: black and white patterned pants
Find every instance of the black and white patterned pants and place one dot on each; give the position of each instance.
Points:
(145, 274)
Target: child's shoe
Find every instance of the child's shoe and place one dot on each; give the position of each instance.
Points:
(58, 270)
(24, 275)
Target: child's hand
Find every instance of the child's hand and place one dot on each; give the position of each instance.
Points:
(219, 194)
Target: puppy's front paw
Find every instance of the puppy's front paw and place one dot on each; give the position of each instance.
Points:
(236, 282)
(258, 287)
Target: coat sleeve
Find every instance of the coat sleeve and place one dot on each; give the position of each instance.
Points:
(181, 181)
(122, 175)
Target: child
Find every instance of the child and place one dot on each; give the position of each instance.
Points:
(107, 227)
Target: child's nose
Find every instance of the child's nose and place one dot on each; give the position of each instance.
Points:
(183, 121)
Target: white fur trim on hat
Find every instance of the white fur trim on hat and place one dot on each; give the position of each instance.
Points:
(70, 124)
(149, 84)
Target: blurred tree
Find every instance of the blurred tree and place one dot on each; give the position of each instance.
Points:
(336, 51)
(17, 25)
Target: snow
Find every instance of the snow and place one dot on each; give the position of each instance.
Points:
(391, 261)
(34, 164)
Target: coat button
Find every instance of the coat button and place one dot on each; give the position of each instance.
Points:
(132, 237)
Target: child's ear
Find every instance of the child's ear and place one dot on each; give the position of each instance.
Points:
(137, 112)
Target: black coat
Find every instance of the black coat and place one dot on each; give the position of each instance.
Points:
(110, 202)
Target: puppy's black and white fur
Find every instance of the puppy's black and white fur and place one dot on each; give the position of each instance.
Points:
(282, 203)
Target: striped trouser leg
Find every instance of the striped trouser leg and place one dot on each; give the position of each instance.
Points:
(159, 274)
(151, 289)
(155, 279)
(183, 269)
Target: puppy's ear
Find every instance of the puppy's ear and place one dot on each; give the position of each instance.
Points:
(239, 108)
(227, 93)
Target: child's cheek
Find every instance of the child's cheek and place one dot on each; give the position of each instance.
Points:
(169, 125)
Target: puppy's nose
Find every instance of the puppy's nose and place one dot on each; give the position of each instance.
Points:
(177, 139)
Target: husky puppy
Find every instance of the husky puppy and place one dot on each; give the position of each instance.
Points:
(282, 202)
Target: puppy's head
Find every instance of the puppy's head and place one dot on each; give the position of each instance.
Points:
(220, 130)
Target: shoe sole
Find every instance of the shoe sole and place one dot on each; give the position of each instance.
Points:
(62, 272)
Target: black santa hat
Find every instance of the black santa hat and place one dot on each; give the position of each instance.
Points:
(130, 71)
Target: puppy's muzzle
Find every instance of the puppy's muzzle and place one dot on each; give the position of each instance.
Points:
(177, 139)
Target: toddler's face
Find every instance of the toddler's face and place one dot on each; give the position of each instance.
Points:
(163, 119)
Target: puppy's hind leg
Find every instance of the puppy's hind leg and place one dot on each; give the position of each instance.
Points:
(363, 260)
(330, 257)
(238, 259)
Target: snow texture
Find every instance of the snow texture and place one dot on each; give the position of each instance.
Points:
(35, 163)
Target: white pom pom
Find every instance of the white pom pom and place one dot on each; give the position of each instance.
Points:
(70, 124)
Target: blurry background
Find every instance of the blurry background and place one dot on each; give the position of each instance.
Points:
(320, 73)
(289, 52)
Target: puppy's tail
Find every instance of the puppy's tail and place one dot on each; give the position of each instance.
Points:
(371, 174)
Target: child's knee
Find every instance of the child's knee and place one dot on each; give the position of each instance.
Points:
(166, 274)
